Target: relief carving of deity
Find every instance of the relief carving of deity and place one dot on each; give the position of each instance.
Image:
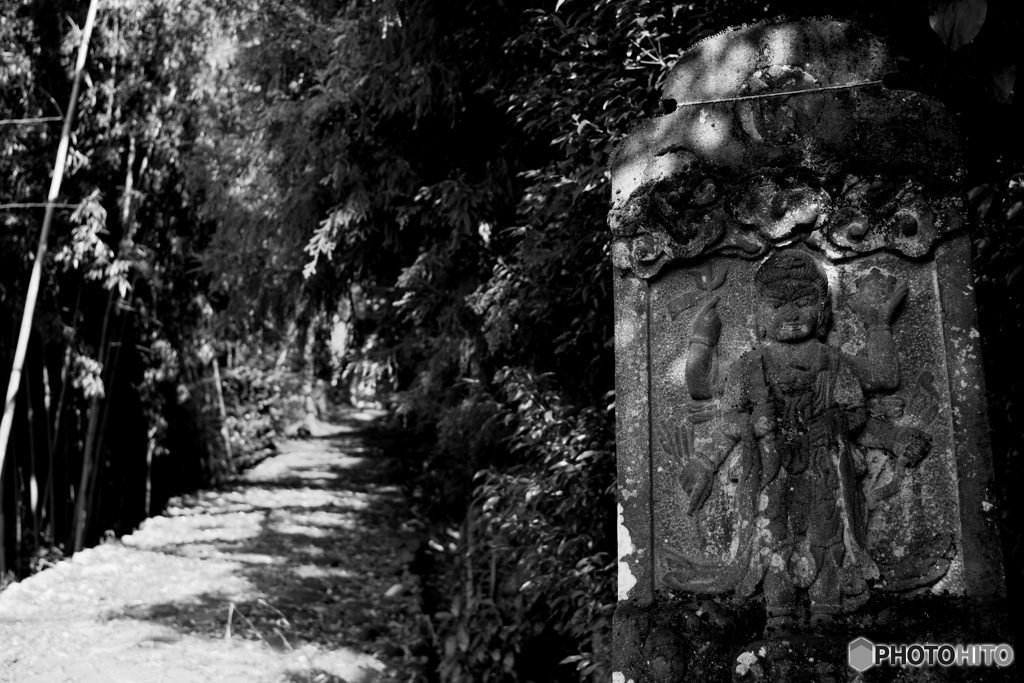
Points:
(799, 414)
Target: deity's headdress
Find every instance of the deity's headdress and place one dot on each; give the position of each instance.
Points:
(791, 266)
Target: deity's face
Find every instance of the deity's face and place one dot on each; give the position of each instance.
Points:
(791, 313)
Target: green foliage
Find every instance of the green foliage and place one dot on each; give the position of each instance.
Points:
(258, 409)
(537, 550)
(958, 22)
(121, 315)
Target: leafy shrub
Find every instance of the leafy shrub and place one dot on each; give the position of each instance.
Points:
(536, 558)
(252, 398)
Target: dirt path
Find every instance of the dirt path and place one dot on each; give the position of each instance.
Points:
(305, 553)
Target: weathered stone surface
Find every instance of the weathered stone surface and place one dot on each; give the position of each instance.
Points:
(788, 143)
(801, 417)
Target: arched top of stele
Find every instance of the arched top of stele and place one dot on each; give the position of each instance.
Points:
(781, 132)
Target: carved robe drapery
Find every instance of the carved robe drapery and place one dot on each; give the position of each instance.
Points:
(790, 491)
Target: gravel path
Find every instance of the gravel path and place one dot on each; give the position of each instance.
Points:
(307, 554)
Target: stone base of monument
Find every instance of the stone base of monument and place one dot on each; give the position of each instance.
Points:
(690, 640)
(794, 658)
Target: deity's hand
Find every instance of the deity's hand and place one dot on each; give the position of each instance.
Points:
(697, 479)
(913, 446)
(825, 428)
(707, 325)
(877, 298)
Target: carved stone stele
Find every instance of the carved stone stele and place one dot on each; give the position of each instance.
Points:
(802, 440)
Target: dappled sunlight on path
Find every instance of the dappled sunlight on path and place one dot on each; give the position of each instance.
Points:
(304, 554)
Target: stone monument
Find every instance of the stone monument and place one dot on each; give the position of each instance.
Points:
(802, 440)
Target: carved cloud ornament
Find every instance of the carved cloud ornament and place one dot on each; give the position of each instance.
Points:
(685, 208)
(794, 153)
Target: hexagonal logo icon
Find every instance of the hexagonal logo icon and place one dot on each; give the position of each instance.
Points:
(861, 655)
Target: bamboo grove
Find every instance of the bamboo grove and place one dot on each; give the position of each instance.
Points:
(121, 314)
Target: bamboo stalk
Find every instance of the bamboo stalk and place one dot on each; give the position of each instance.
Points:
(89, 448)
(112, 361)
(85, 477)
(19, 488)
(35, 205)
(150, 449)
(28, 122)
(112, 351)
(468, 535)
(95, 434)
(37, 267)
(81, 495)
(223, 411)
(58, 414)
(45, 502)
(50, 490)
(32, 483)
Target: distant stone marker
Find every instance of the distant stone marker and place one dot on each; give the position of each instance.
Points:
(802, 439)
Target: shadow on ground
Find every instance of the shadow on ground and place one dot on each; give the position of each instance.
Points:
(318, 536)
